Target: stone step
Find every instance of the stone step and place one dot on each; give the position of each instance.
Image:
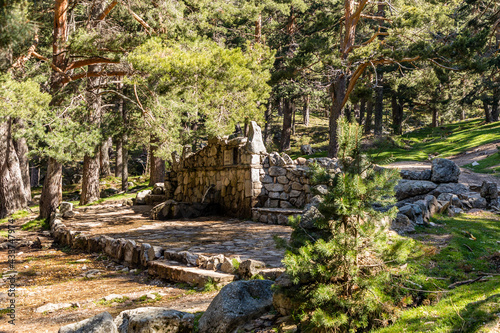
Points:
(274, 215)
(174, 271)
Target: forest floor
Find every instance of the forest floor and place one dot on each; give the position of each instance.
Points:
(60, 275)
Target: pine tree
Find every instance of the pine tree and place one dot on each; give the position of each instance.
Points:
(338, 267)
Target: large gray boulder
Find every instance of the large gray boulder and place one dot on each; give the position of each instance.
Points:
(140, 199)
(489, 191)
(416, 175)
(402, 224)
(154, 320)
(306, 150)
(444, 171)
(413, 212)
(101, 323)
(236, 304)
(255, 144)
(410, 188)
(454, 188)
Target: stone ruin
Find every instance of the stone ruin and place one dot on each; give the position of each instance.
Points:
(236, 177)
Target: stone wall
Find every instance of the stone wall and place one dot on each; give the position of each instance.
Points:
(239, 175)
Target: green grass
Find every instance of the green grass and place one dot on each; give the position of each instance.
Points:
(466, 308)
(442, 141)
(4, 233)
(36, 224)
(490, 164)
(17, 215)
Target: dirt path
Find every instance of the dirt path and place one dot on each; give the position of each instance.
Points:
(57, 275)
(467, 176)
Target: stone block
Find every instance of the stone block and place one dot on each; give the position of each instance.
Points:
(276, 171)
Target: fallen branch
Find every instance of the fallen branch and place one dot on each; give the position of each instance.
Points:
(468, 247)
(461, 283)
(426, 291)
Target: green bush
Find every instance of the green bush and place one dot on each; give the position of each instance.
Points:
(338, 267)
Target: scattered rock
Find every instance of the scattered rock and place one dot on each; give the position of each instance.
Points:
(152, 319)
(489, 191)
(236, 304)
(306, 150)
(402, 224)
(65, 207)
(112, 297)
(140, 199)
(410, 188)
(250, 267)
(416, 175)
(50, 307)
(101, 323)
(444, 171)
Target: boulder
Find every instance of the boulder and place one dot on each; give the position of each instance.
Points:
(444, 171)
(402, 224)
(152, 319)
(410, 188)
(159, 189)
(281, 302)
(236, 304)
(452, 198)
(255, 144)
(101, 323)
(306, 150)
(489, 191)
(51, 307)
(455, 188)
(140, 199)
(288, 160)
(65, 207)
(250, 267)
(413, 212)
(416, 175)
(309, 217)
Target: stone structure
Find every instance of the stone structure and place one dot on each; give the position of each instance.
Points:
(239, 176)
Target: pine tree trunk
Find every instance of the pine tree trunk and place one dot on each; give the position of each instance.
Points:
(337, 94)
(157, 168)
(21, 148)
(34, 175)
(494, 105)
(397, 115)
(119, 158)
(52, 188)
(286, 131)
(268, 121)
(104, 164)
(487, 115)
(305, 110)
(90, 179)
(379, 107)
(12, 193)
(124, 147)
(362, 110)
(293, 119)
(369, 112)
(434, 117)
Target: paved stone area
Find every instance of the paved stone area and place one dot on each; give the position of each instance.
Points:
(208, 236)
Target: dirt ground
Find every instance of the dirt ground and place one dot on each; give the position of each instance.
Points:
(57, 275)
(467, 176)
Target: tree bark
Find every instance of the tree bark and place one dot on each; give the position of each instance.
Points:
(12, 192)
(52, 188)
(34, 175)
(157, 165)
(90, 179)
(268, 121)
(379, 106)
(494, 105)
(337, 94)
(397, 116)
(286, 131)
(368, 121)
(124, 146)
(119, 158)
(434, 117)
(305, 110)
(52, 185)
(487, 115)
(104, 164)
(21, 148)
(362, 110)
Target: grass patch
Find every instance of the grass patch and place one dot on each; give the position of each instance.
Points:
(490, 164)
(4, 233)
(20, 214)
(466, 308)
(36, 224)
(146, 299)
(441, 141)
(103, 302)
(210, 286)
